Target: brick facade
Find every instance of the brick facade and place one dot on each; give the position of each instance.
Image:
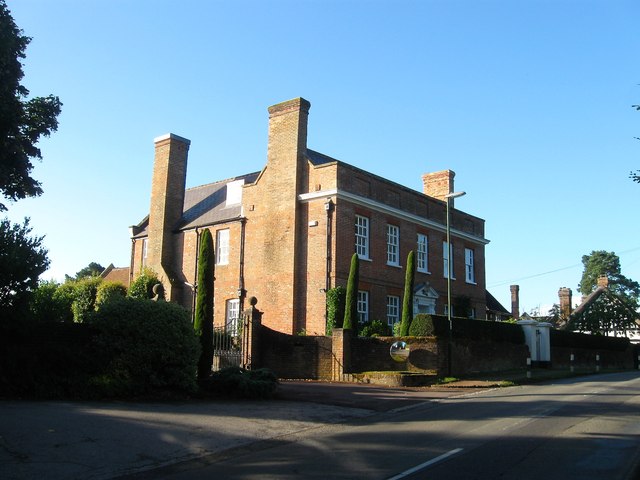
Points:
(291, 231)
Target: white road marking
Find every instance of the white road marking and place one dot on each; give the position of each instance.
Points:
(417, 468)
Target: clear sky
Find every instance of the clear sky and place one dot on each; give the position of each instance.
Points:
(528, 101)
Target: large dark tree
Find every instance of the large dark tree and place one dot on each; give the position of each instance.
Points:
(22, 121)
(203, 320)
(92, 270)
(22, 260)
(600, 262)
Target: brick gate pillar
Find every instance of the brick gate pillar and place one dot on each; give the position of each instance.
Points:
(251, 323)
(341, 353)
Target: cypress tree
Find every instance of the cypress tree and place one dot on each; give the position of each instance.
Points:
(407, 301)
(351, 302)
(203, 320)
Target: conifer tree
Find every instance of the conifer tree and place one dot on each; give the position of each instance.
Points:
(351, 302)
(407, 301)
(203, 319)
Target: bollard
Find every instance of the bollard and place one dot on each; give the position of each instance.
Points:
(528, 367)
(638, 362)
(571, 359)
(597, 362)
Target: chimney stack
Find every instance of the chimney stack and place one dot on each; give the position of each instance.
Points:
(603, 281)
(167, 204)
(438, 184)
(564, 294)
(515, 301)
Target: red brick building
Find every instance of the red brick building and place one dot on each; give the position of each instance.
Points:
(286, 234)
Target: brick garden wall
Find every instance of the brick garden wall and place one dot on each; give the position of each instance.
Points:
(586, 358)
(295, 356)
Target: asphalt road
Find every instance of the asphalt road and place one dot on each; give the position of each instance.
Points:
(581, 428)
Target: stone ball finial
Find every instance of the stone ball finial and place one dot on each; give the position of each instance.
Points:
(158, 292)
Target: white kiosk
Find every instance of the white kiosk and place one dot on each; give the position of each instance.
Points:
(537, 338)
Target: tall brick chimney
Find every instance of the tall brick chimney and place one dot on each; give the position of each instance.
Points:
(564, 295)
(167, 204)
(276, 230)
(438, 184)
(515, 301)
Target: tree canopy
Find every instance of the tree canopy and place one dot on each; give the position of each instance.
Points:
(600, 262)
(22, 121)
(92, 270)
(22, 260)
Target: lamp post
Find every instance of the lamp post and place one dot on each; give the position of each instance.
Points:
(449, 197)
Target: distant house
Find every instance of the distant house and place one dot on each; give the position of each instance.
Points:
(285, 234)
(113, 274)
(495, 310)
(602, 294)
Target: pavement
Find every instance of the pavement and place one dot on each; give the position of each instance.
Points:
(105, 440)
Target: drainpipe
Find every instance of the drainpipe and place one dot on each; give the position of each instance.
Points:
(242, 293)
(328, 206)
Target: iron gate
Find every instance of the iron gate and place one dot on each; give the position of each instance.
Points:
(230, 344)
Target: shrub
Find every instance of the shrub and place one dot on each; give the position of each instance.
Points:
(240, 383)
(84, 298)
(142, 286)
(375, 328)
(109, 292)
(407, 299)
(351, 301)
(148, 346)
(64, 296)
(203, 319)
(421, 326)
(335, 308)
(46, 305)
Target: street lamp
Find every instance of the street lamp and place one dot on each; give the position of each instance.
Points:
(449, 197)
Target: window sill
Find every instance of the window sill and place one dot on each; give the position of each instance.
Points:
(395, 265)
(426, 272)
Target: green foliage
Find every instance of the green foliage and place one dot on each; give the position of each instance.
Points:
(335, 308)
(240, 383)
(375, 328)
(407, 300)
(351, 300)
(84, 297)
(64, 297)
(478, 329)
(421, 326)
(22, 121)
(142, 286)
(109, 292)
(47, 360)
(396, 329)
(47, 305)
(600, 262)
(92, 270)
(22, 260)
(148, 346)
(203, 320)
(564, 338)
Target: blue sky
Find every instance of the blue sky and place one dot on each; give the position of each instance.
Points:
(528, 101)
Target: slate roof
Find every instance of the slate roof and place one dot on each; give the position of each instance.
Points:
(494, 305)
(204, 205)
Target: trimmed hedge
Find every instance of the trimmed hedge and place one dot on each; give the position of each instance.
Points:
(149, 345)
(563, 338)
(478, 329)
(240, 383)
